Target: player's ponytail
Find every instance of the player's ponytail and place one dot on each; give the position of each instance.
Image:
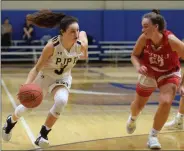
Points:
(49, 19)
(45, 18)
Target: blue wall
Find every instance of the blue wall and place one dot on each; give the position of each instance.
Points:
(107, 25)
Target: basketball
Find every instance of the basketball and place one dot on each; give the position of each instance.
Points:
(30, 95)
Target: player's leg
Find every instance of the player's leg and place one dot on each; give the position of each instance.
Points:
(12, 120)
(168, 88)
(177, 122)
(144, 89)
(60, 93)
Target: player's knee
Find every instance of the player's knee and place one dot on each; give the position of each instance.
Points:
(166, 104)
(167, 93)
(165, 100)
(21, 111)
(60, 99)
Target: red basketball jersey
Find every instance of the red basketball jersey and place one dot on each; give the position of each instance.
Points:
(161, 60)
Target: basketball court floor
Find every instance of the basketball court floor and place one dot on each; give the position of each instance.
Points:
(96, 114)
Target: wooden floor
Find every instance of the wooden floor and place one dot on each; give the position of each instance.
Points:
(96, 114)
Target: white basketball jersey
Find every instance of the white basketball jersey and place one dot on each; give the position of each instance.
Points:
(62, 61)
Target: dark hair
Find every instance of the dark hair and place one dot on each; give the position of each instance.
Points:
(6, 18)
(156, 18)
(49, 19)
(156, 11)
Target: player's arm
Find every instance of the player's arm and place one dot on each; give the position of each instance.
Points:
(84, 43)
(46, 54)
(176, 45)
(138, 48)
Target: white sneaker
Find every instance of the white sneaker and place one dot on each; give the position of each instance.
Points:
(43, 143)
(153, 143)
(176, 123)
(131, 125)
(7, 129)
(42, 139)
(6, 136)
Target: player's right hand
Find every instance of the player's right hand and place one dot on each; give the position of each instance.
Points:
(143, 70)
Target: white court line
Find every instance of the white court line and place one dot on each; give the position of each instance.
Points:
(25, 125)
(95, 93)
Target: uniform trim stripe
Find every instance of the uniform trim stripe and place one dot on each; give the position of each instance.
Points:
(78, 42)
(55, 44)
(54, 38)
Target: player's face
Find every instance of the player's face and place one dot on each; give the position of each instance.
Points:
(72, 32)
(148, 28)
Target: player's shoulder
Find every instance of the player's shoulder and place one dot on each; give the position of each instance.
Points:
(142, 39)
(167, 32)
(173, 40)
(170, 36)
(55, 41)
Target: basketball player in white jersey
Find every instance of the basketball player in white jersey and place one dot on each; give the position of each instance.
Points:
(52, 72)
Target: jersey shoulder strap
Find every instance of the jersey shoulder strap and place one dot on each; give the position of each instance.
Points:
(55, 41)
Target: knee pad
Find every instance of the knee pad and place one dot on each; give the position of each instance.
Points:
(60, 101)
(21, 111)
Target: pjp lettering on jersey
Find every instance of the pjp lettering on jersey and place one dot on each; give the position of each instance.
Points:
(66, 60)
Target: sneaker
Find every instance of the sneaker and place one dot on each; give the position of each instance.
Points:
(6, 132)
(131, 125)
(42, 139)
(153, 143)
(176, 123)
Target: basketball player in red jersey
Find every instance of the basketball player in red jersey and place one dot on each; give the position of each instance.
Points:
(156, 58)
(52, 72)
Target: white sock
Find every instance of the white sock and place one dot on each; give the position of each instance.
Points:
(47, 128)
(12, 121)
(179, 115)
(153, 132)
(133, 118)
